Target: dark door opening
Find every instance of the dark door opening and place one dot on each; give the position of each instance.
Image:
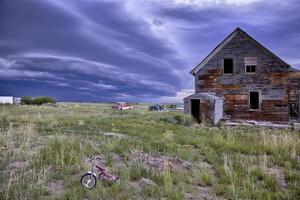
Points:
(294, 109)
(195, 109)
(254, 101)
(228, 66)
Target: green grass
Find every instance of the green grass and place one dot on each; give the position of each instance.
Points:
(52, 143)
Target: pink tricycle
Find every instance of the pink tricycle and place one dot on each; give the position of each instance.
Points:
(89, 179)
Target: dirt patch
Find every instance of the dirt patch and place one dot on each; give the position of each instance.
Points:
(278, 173)
(145, 182)
(118, 158)
(55, 187)
(113, 134)
(189, 196)
(141, 183)
(201, 193)
(159, 162)
(37, 146)
(17, 164)
(204, 192)
(204, 165)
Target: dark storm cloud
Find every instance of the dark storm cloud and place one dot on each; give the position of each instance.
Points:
(101, 50)
(66, 75)
(273, 23)
(90, 43)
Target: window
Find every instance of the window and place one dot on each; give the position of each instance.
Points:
(250, 69)
(254, 101)
(228, 66)
(250, 64)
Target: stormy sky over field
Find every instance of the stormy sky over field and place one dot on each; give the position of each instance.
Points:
(128, 50)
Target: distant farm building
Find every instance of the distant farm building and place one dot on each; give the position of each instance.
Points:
(241, 79)
(9, 100)
(156, 107)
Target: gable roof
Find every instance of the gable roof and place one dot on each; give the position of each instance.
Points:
(228, 39)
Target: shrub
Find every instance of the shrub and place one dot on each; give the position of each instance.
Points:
(42, 100)
(26, 100)
(206, 179)
(37, 101)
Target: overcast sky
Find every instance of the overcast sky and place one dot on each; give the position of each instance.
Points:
(129, 50)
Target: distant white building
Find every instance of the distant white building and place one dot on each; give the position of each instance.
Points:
(6, 100)
(17, 100)
(9, 100)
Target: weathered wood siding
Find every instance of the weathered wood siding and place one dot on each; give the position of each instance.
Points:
(273, 81)
(294, 91)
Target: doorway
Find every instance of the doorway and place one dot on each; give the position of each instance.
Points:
(294, 109)
(195, 109)
(254, 101)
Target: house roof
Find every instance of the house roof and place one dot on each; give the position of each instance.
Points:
(228, 39)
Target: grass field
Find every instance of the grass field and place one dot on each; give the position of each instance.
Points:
(157, 155)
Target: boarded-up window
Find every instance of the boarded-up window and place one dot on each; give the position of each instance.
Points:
(228, 66)
(250, 64)
(254, 100)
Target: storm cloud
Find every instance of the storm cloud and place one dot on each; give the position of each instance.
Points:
(128, 50)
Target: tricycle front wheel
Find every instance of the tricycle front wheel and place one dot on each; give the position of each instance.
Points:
(88, 180)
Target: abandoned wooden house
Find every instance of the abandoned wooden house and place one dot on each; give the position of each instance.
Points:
(241, 79)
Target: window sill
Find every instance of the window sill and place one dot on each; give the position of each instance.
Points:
(253, 110)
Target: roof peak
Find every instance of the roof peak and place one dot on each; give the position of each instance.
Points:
(239, 29)
(227, 39)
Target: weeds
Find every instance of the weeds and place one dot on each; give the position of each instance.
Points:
(45, 145)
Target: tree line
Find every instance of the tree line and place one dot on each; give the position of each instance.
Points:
(37, 101)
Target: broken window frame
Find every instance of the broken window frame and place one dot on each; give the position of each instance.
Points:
(249, 101)
(232, 71)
